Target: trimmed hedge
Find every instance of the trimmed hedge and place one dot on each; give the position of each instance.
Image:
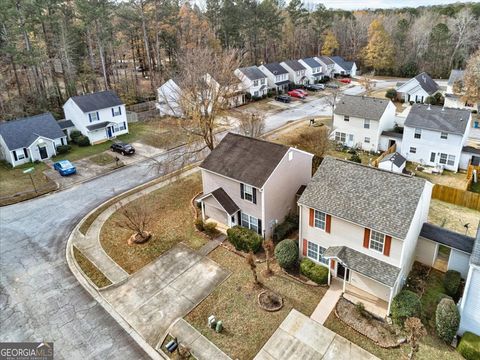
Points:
(63, 149)
(451, 282)
(406, 304)
(244, 239)
(391, 94)
(469, 346)
(83, 141)
(210, 228)
(447, 320)
(286, 253)
(287, 227)
(75, 135)
(314, 272)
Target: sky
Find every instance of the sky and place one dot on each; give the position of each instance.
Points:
(379, 4)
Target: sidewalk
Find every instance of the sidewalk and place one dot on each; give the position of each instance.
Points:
(328, 302)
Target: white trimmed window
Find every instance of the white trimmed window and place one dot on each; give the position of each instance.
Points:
(418, 134)
(93, 116)
(366, 124)
(248, 192)
(315, 252)
(262, 82)
(377, 240)
(413, 150)
(340, 137)
(250, 222)
(116, 111)
(346, 118)
(444, 135)
(446, 159)
(255, 82)
(320, 220)
(367, 140)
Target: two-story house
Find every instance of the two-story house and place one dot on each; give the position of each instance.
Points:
(30, 139)
(296, 71)
(314, 69)
(254, 81)
(277, 77)
(343, 67)
(363, 224)
(435, 135)
(455, 92)
(252, 182)
(359, 121)
(99, 116)
(168, 99)
(417, 89)
(328, 66)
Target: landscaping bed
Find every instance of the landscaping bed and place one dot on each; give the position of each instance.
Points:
(90, 270)
(235, 302)
(365, 323)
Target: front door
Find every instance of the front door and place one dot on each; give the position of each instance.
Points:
(342, 272)
(391, 143)
(43, 152)
(109, 132)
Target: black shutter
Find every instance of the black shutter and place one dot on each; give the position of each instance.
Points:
(254, 195)
(15, 155)
(98, 117)
(260, 226)
(113, 112)
(241, 191)
(61, 139)
(239, 218)
(25, 152)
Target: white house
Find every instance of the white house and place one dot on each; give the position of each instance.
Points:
(328, 66)
(435, 135)
(252, 182)
(29, 139)
(393, 162)
(417, 89)
(358, 121)
(253, 80)
(343, 67)
(277, 77)
(314, 69)
(453, 95)
(363, 224)
(99, 116)
(168, 103)
(296, 72)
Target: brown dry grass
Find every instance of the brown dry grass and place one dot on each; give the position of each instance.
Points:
(453, 217)
(234, 302)
(448, 178)
(173, 223)
(92, 272)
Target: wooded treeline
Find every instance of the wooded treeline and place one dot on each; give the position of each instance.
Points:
(53, 49)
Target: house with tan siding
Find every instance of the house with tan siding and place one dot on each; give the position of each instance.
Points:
(252, 182)
(363, 223)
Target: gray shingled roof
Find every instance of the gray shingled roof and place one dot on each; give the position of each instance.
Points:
(438, 118)
(454, 76)
(276, 68)
(392, 134)
(97, 101)
(294, 65)
(98, 126)
(253, 73)
(475, 257)
(311, 62)
(427, 83)
(347, 65)
(447, 237)
(363, 107)
(366, 265)
(371, 197)
(65, 124)
(225, 200)
(396, 158)
(471, 150)
(245, 159)
(20, 133)
(326, 60)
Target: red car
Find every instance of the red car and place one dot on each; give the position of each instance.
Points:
(345, 80)
(302, 91)
(297, 94)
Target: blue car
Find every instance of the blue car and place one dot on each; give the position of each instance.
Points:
(65, 167)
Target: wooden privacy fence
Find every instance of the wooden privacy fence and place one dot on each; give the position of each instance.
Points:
(456, 196)
(390, 150)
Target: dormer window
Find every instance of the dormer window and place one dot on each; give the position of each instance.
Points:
(116, 111)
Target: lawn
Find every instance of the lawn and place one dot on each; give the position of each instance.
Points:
(102, 159)
(172, 223)
(90, 270)
(453, 217)
(234, 302)
(13, 181)
(431, 296)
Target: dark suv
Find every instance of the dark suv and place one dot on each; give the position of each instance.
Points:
(122, 148)
(283, 98)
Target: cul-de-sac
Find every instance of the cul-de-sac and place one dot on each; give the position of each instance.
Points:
(239, 180)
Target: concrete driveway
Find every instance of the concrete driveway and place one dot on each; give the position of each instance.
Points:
(165, 290)
(301, 338)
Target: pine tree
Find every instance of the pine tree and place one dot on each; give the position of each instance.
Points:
(379, 52)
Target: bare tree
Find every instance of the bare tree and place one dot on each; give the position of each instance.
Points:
(136, 216)
(252, 124)
(253, 267)
(268, 246)
(315, 141)
(367, 82)
(416, 331)
(332, 97)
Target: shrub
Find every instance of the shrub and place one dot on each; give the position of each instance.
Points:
(83, 141)
(356, 158)
(469, 346)
(286, 253)
(74, 135)
(210, 228)
(406, 304)
(282, 231)
(411, 102)
(391, 94)
(199, 224)
(451, 282)
(447, 320)
(63, 149)
(244, 239)
(314, 272)
(431, 100)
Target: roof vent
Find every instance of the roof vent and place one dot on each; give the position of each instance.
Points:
(424, 78)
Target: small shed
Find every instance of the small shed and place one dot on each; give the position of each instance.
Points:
(393, 162)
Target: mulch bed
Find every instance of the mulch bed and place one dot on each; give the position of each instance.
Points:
(417, 279)
(367, 324)
(270, 301)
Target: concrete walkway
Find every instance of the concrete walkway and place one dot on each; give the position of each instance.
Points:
(211, 245)
(328, 302)
(299, 337)
(199, 345)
